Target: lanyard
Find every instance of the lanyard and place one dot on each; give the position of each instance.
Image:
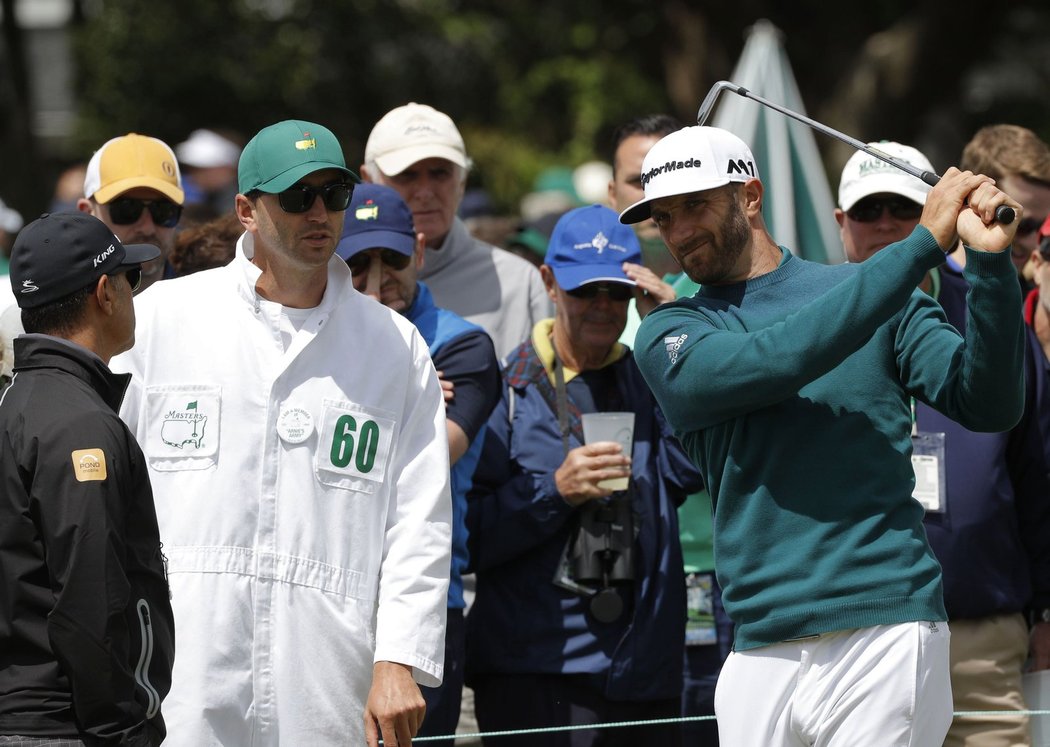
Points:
(935, 293)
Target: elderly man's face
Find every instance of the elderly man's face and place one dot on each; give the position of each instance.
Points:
(433, 189)
(387, 276)
(874, 222)
(592, 316)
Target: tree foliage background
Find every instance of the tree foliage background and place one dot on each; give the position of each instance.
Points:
(531, 84)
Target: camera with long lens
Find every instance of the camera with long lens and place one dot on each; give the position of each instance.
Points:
(599, 556)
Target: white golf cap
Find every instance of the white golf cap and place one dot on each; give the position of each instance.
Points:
(207, 149)
(689, 160)
(410, 133)
(865, 175)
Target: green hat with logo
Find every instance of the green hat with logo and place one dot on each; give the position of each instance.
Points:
(283, 153)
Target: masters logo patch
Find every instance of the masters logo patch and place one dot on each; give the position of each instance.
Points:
(89, 464)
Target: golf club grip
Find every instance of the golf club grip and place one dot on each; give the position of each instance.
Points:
(1003, 214)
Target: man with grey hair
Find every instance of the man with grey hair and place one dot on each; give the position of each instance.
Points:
(418, 151)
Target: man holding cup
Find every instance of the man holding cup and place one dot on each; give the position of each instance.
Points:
(580, 590)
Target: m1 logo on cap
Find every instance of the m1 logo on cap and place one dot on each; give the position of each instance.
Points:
(740, 166)
(307, 143)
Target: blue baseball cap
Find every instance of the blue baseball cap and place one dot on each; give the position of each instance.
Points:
(589, 245)
(377, 219)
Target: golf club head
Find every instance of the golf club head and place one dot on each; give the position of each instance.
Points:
(712, 97)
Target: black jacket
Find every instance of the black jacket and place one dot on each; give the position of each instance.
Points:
(86, 630)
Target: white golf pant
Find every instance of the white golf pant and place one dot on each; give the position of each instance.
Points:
(884, 686)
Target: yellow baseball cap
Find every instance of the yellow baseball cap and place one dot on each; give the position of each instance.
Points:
(132, 161)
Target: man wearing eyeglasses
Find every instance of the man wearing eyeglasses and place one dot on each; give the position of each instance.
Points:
(384, 254)
(295, 432)
(133, 185)
(579, 616)
(419, 152)
(86, 630)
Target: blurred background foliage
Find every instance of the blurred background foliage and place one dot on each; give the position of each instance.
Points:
(530, 84)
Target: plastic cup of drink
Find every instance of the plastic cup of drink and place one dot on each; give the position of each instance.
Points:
(610, 426)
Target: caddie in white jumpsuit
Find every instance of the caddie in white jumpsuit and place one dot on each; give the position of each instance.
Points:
(295, 434)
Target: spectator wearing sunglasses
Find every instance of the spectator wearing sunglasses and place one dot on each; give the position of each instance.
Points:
(133, 185)
(86, 629)
(1019, 161)
(984, 494)
(419, 152)
(295, 432)
(385, 254)
(553, 641)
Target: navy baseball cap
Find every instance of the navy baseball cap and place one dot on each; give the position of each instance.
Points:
(60, 253)
(589, 245)
(377, 219)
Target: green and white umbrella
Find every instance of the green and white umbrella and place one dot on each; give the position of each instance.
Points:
(799, 207)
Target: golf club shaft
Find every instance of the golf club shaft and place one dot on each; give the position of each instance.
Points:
(1003, 214)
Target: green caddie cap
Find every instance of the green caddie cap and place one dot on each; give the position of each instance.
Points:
(283, 153)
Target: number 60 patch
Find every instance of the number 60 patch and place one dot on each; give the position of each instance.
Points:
(354, 446)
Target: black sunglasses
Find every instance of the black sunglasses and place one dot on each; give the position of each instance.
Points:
(134, 277)
(361, 261)
(299, 198)
(126, 210)
(870, 209)
(616, 291)
(1027, 226)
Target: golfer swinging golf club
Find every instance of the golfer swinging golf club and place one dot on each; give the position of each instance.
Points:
(790, 385)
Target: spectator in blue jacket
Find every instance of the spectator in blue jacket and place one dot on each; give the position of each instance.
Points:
(985, 494)
(579, 616)
(385, 254)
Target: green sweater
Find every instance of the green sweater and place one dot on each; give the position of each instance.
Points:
(791, 392)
